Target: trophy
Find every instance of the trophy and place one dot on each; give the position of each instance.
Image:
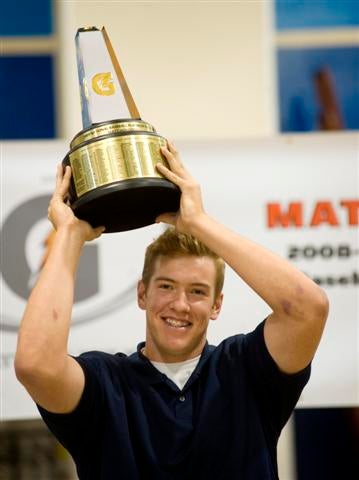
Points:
(113, 160)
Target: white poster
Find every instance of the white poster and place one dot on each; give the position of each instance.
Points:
(298, 195)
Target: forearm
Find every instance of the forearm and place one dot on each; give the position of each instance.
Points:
(284, 288)
(299, 306)
(44, 330)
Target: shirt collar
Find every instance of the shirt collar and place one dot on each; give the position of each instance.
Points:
(151, 375)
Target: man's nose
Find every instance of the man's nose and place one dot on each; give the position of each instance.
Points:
(180, 302)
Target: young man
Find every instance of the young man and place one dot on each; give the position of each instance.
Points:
(177, 408)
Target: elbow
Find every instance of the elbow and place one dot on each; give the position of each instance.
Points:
(26, 369)
(311, 305)
(34, 359)
(321, 305)
(23, 370)
(31, 369)
(318, 308)
(24, 362)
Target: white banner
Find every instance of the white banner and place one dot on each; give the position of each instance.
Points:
(299, 196)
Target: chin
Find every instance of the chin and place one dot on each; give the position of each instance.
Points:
(180, 350)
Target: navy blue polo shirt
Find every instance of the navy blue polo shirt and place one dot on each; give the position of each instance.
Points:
(133, 423)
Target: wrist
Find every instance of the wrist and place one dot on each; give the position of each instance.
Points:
(74, 232)
(197, 225)
(66, 247)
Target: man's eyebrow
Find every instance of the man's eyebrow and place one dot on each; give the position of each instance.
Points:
(166, 279)
(200, 284)
(193, 284)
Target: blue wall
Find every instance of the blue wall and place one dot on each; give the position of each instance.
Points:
(297, 14)
(26, 17)
(27, 97)
(298, 98)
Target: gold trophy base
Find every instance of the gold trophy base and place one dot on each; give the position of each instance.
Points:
(115, 182)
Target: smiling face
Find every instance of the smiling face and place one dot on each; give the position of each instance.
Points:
(179, 301)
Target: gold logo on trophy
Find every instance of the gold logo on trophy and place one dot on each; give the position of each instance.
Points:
(102, 83)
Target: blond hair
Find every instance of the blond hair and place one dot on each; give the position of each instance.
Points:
(173, 244)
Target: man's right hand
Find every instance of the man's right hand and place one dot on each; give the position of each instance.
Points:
(60, 213)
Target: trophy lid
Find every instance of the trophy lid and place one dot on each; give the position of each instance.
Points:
(88, 29)
(104, 91)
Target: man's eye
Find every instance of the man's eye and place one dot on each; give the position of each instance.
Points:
(165, 286)
(198, 291)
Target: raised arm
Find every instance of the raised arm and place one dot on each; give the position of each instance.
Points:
(54, 379)
(299, 306)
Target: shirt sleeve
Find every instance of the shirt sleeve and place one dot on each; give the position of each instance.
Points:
(73, 430)
(276, 392)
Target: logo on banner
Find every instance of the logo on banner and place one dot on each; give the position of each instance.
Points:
(22, 238)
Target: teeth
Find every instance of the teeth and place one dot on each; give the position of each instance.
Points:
(176, 323)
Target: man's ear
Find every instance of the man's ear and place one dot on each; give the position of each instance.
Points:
(216, 308)
(141, 295)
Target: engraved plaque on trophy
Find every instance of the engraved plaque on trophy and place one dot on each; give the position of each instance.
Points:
(113, 160)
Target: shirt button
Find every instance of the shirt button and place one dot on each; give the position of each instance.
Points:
(182, 398)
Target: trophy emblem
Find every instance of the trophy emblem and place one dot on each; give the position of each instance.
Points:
(113, 160)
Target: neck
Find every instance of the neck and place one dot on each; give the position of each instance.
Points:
(173, 359)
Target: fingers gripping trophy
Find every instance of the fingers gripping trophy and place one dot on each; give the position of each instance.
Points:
(113, 160)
